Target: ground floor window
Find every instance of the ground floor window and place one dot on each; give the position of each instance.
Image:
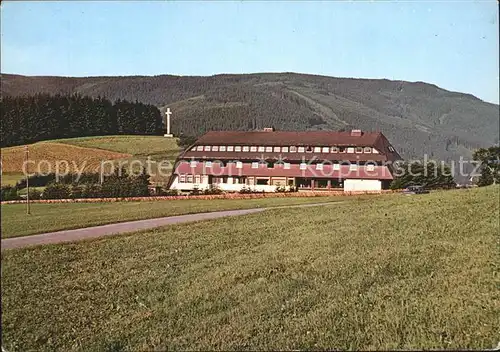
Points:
(262, 181)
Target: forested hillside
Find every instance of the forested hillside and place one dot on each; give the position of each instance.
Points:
(417, 117)
(28, 119)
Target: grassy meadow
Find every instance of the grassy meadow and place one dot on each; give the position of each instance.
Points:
(47, 217)
(157, 148)
(407, 272)
(87, 153)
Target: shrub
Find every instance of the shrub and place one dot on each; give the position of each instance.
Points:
(57, 191)
(9, 193)
(214, 189)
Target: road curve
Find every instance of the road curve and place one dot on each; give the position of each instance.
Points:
(131, 226)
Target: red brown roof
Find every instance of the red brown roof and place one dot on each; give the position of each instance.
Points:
(344, 171)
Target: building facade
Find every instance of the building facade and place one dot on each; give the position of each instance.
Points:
(269, 160)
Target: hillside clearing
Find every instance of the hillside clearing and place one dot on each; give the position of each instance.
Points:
(48, 217)
(44, 157)
(402, 273)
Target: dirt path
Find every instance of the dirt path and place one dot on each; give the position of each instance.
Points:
(130, 226)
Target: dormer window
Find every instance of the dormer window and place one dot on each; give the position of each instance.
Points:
(199, 148)
(284, 149)
(262, 149)
(309, 149)
(215, 148)
(246, 148)
(367, 150)
(319, 166)
(208, 148)
(230, 148)
(317, 149)
(269, 149)
(325, 150)
(222, 148)
(350, 150)
(277, 149)
(237, 149)
(359, 149)
(301, 149)
(293, 149)
(253, 148)
(334, 149)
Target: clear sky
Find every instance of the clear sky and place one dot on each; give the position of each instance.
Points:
(453, 44)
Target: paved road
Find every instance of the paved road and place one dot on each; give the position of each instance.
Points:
(130, 226)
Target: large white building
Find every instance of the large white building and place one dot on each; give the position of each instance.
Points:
(266, 160)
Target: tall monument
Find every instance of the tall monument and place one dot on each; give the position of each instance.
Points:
(168, 134)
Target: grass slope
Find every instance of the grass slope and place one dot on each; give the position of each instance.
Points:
(44, 156)
(393, 273)
(63, 216)
(87, 152)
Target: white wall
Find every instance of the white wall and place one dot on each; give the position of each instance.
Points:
(230, 187)
(362, 185)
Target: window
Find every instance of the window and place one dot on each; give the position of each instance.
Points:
(222, 148)
(193, 163)
(237, 149)
(375, 151)
(341, 149)
(189, 178)
(208, 148)
(246, 148)
(319, 166)
(303, 166)
(262, 181)
(353, 167)
(334, 149)
(197, 179)
(230, 148)
(325, 150)
(284, 149)
(261, 148)
(293, 149)
(269, 149)
(301, 149)
(199, 148)
(253, 148)
(208, 164)
(239, 165)
(336, 166)
(309, 149)
(370, 167)
(182, 178)
(359, 149)
(367, 149)
(255, 165)
(215, 148)
(286, 166)
(317, 149)
(194, 148)
(277, 149)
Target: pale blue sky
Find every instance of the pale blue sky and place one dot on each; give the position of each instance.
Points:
(449, 43)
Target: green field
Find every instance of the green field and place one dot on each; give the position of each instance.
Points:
(157, 148)
(11, 178)
(47, 217)
(416, 272)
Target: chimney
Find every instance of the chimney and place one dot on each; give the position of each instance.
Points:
(268, 129)
(356, 133)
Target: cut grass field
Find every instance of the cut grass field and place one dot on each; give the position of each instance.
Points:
(48, 217)
(43, 157)
(88, 152)
(407, 272)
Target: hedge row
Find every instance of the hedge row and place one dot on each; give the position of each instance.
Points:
(204, 197)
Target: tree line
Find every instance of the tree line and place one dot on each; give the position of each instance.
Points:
(29, 119)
